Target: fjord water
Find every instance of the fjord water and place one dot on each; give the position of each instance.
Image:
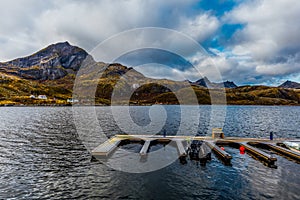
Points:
(41, 156)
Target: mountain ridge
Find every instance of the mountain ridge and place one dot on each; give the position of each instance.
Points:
(290, 84)
(57, 60)
(52, 72)
(205, 82)
(53, 62)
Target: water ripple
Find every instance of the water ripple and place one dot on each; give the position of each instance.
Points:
(41, 157)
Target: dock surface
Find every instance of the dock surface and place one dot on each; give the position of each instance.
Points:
(251, 145)
(107, 147)
(145, 148)
(261, 155)
(287, 152)
(180, 148)
(226, 157)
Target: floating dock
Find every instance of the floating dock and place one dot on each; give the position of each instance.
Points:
(260, 155)
(145, 148)
(225, 157)
(252, 146)
(180, 148)
(107, 147)
(292, 154)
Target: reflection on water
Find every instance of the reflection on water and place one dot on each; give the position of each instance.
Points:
(41, 156)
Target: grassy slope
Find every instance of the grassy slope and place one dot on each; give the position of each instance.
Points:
(14, 90)
(247, 95)
(262, 95)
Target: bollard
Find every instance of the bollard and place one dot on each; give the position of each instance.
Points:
(271, 135)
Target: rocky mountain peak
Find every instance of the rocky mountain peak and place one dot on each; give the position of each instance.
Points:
(229, 84)
(290, 84)
(205, 82)
(52, 62)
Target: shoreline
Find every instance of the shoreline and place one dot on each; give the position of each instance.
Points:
(98, 105)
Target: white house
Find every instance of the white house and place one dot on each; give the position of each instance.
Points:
(72, 100)
(32, 96)
(135, 86)
(43, 97)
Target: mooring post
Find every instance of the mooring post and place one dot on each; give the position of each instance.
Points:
(165, 133)
(271, 135)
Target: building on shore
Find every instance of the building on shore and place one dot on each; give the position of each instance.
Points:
(72, 100)
(42, 97)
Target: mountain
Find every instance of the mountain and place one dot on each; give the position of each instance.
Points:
(50, 63)
(229, 84)
(206, 83)
(52, 71)
(202, 82)
(290, 84)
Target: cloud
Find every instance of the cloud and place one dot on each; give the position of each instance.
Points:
(159, 71)
(254, 41)
(271, 27)
(33, 24)
(17, 26)
(290, 66)
(200, 27)
(224, 66)
(269, 39)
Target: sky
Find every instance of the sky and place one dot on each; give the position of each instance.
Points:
(250, 41)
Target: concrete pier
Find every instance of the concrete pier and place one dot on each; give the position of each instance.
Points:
(251, 145)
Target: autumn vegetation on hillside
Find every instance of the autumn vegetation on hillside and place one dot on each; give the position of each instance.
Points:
(52, 72)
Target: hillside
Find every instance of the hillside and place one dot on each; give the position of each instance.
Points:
(262, 95)
(17, 91)
(52, 71)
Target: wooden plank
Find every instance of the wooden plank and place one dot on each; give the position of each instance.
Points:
(180, 148)
(201, 138)
(107, 147)
(287, 152)
(161, 137)
(226, 157)
(240, 140)
(145, 148)
(269, 159)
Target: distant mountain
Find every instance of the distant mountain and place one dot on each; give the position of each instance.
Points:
(229, 84)
(202, 82)
(206, 83)
(290, 84)
(52, 71)
(50, 63)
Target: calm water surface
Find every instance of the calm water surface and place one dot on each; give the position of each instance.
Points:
(42, 157)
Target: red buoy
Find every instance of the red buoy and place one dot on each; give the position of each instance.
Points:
(223, 148)
(242, 150)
